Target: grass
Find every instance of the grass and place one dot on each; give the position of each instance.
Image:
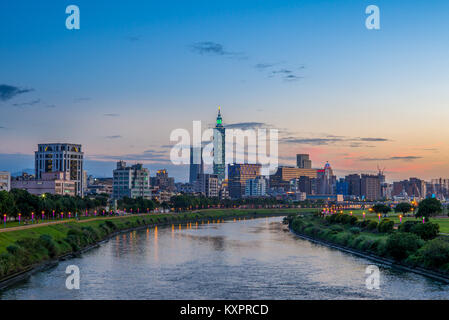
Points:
(393, 216)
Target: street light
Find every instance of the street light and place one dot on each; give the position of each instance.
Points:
(400, 218)
(4, 219)
(19, 217)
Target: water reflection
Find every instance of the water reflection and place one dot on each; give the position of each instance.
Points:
(240, 259)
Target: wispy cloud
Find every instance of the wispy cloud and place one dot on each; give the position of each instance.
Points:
(114, 137)
(400, 158)
(27, 104)
(81, 99)
(111, 115)
(8, 92)
(147, 156)
(330, 140)
(214, 49)
(247, 125)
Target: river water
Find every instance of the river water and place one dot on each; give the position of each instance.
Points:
(248, 259)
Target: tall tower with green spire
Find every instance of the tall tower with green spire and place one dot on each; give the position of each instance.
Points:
(219, 148)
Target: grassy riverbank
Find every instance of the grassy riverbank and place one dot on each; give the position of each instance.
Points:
(413, 245)
(23, 249)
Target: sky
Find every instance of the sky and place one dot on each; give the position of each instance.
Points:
(137, 70)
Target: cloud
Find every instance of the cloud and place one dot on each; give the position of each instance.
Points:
(147, 155)
(111, 115)
(292, 77)
(213, 49)
(330, 140)
(400, 158)
(247, 125)
(264, 66)
(132, 38)
(27, 104)
(81, 99)
(8, 92)
(114, 137)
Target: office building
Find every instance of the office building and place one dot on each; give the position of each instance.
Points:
(208, 185)
(50, 182)
(61, 157)
(303, 161)
(238, 174)
(354, 185)
(370, 187)
(196, 164)
(162, 181)
(281, 178)
(5, 181)
(413, 187)
(219, 165)
(256, 187)
(131, 182)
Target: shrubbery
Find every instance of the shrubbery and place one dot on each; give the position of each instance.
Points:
(427, 231)
(385, 226)
(401, 244)
(434, 254)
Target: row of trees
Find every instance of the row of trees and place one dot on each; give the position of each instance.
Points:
(427, 208)
(20, 201)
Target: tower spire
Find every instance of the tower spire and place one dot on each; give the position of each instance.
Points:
(219, 118)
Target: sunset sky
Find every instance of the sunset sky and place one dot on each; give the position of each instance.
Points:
(136, 70)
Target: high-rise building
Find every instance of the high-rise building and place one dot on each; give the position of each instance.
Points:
(283, 175)
(413, 187)
(163, 181)
(219, 165)
(326, 180)
(303, 161)
(5, 181)
(256, 187)
(370, 187)
(131, 182)
(61, 157)
(208, 185)
(354, 184)
(196, 164)
(238, 174)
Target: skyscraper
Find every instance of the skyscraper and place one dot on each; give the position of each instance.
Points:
(219, 148)
(196, 164)
(238, 175)
(303, 161)
(61, 157)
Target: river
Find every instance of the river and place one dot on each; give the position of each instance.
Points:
(248, 259)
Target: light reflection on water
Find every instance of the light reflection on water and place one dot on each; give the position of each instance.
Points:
(247, 259)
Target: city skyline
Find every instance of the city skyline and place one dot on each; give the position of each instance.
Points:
(272, 65)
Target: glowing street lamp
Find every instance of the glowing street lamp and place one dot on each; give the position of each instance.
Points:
(32, 217)
(350, 212)
(19, 217)
(400, 218)
(43, 215)
(53, 214)
(4, 219)
(379, 216)
(62, 215)
(364, 214)
(70, 214)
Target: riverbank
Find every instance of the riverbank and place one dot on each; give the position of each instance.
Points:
(397, 249)
(24, 251)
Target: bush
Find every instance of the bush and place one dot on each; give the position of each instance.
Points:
(337, 229)
(47, 242)
(407, 226)
(372, 225)
(427, 231)
(385, 226)
(434, 254)
(354, 230)
(400, 245)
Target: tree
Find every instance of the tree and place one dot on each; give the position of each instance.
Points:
(381, 208)
(403, 207)
(428, 208)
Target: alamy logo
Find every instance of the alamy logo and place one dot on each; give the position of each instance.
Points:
(239, 146)
(73, 280)
(373, 20)
(373, 280)
(72, 21)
